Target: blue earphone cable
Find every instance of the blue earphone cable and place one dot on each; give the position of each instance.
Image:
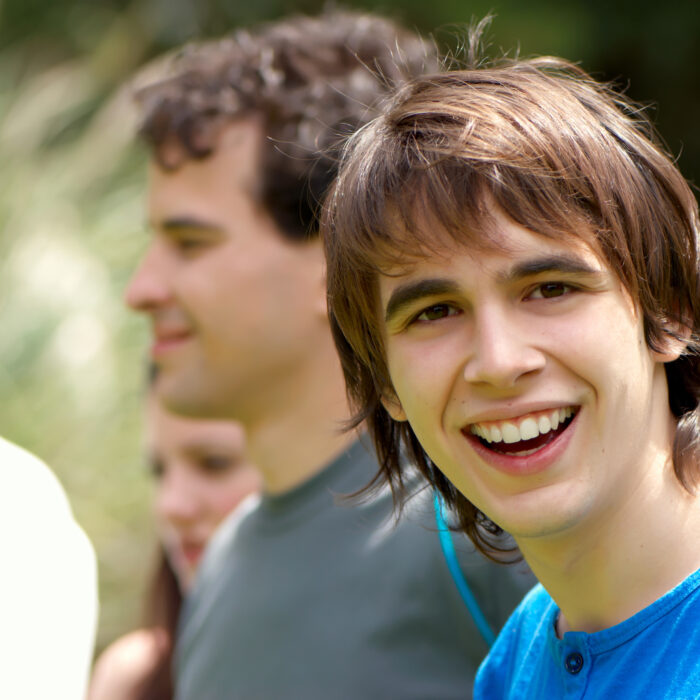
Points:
(448, 549)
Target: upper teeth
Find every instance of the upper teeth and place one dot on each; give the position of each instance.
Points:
(524, 429)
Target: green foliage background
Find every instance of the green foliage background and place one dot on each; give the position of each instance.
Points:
(71, 221)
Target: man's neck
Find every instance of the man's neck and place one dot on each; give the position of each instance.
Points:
(303, 429)
(613, 567)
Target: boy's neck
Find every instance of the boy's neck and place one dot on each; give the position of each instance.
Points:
(619, 564)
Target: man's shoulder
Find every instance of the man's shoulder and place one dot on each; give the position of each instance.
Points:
(218, 551)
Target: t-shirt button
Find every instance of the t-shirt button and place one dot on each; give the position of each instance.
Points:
(573, 662)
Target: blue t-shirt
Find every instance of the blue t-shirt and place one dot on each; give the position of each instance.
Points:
(654, 654)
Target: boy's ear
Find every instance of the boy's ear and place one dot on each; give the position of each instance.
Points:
(392, 405)
(676, 339)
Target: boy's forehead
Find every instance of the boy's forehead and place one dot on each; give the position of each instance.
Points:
(426, 244)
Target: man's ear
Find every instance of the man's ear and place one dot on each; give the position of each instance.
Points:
(393, 406)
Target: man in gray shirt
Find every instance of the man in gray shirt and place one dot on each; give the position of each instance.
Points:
(299, 596)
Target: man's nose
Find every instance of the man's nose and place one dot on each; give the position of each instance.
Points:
(148, 287)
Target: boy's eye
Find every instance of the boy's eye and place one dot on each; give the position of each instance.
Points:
(550, 290)
(436, 312)
(188, 244)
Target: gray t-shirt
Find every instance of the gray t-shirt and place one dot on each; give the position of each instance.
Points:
(305, 598)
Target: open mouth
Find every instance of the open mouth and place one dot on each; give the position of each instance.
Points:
(523, 436)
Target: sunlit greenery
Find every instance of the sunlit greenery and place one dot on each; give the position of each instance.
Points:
(70, 356)
(71, 221)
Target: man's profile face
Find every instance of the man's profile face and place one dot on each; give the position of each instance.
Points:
(524, 373)
(232, 304)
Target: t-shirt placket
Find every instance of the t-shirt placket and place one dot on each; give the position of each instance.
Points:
(576, 664)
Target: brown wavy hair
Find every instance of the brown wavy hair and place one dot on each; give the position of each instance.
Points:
(558, 153)
(310, 80)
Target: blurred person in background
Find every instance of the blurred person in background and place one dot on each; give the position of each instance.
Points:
(48, 593)
(300, 597)
(201, 474)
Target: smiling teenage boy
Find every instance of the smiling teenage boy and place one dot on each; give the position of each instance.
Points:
(513, 286)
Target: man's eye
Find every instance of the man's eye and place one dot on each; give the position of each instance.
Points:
(550, 290)
(156, 467)
(216, 463)
(436, 312)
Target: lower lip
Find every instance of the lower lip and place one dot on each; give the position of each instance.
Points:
(525, 465)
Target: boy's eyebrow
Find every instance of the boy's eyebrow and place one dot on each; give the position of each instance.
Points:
(556, 262)
(410, 292)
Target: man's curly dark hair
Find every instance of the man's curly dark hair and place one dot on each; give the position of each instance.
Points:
(310, 80)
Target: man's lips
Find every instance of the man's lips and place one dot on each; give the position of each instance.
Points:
(164, 341)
